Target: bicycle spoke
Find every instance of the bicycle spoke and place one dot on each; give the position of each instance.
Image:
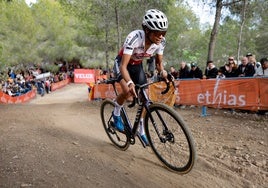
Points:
(120, 140)
(169, 139)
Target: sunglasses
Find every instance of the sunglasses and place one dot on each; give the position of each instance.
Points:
(159, 33)
(230, 59)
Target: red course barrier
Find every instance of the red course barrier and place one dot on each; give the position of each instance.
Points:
(7, 99)
(247, 93)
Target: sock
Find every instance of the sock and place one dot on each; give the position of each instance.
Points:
(117, 109)
(141, 130)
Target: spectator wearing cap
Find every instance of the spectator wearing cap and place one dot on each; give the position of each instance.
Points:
(195, 71)
(211, 70)
(248, 55)
(230, 68)
(263, 69)
(184, 70)
(245, 69)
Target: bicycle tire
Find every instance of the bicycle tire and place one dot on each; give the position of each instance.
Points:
(176, 150)
(119, 139)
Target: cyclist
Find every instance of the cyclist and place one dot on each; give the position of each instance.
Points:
(128, 69)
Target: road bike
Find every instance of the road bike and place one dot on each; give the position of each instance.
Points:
(166, 131)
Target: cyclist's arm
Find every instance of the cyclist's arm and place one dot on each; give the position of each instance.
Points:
(123, 67)
(159, 65)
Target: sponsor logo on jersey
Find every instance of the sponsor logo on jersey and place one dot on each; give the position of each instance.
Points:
(134, 38)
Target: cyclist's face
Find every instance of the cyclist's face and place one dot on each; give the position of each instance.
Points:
(157, 36)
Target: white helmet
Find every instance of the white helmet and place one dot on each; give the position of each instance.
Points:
(155, 20)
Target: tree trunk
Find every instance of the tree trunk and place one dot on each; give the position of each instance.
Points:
(241, 28)
(107, 37)
(214, 31)
(117, 27)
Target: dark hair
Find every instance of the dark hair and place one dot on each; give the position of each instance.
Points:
(262, 60)
(210, 61)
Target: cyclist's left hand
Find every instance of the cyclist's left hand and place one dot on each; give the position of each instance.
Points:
(166, 76)
(132, 90)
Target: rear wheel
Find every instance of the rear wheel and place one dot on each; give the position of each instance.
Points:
(170, 138)
(119, 139)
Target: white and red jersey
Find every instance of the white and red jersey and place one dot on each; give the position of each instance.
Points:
(135, 46)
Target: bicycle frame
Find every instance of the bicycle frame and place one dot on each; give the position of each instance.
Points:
(144, 102)
(132, 131)
(164, 128)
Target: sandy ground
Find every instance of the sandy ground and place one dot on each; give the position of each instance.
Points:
(58, 141)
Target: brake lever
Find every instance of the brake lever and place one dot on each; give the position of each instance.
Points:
(132, 104)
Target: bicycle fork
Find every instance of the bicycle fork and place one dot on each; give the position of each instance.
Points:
(166, 134)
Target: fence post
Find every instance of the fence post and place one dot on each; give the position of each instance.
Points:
(204, 111)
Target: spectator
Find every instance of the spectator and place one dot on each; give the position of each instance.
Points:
(40, 86)
(211, 70)
(195, 71)
(184, 71)
(173, 72)
(229, 69)
(263, 69)
(220, 74)
(48, 85)
(252, 60)
(245, 69)
(56, 78)
(11, 74)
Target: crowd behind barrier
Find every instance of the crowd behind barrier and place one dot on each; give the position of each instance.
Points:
(21, 86)
(212, 85)
(236, 93)
(247, 67)
(240, 85)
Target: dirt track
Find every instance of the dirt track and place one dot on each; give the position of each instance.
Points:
(58, 141)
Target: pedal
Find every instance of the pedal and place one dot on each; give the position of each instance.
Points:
(132, 141)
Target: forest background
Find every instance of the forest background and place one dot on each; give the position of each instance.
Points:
(92, 31)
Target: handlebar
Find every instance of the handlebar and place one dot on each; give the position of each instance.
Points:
(169, 79)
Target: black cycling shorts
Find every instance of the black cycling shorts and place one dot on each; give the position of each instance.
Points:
(136, 72)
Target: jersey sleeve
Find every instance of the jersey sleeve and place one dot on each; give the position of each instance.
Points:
(131, 42)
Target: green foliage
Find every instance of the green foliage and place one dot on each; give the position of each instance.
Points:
(184, 37)
(94, 30)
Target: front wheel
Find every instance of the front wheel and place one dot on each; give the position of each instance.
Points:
(170, 138)
(120, 140)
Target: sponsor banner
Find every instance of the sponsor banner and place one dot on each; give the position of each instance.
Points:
(84, 76)
(248, 93)
(41, 76)
(6, 99)
(263, 86)
(102, 91)
(219, 93)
